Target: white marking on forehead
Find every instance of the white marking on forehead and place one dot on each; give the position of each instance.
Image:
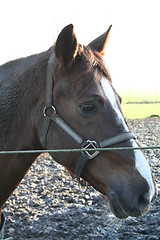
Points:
(110, 94)
(108, 90)
(141, 163)
(143, 168)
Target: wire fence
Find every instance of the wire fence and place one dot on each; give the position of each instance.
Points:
(79, 150)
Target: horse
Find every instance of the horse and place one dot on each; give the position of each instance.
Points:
(63, 98)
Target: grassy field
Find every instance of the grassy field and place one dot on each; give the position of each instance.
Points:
(136, 96)
(141, 105)
(135, 111)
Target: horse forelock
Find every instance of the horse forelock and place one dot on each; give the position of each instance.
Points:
(86, 68)
(91, 60)
(85, 61)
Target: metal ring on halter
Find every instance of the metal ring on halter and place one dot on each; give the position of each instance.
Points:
(47, 108)
(82, 186)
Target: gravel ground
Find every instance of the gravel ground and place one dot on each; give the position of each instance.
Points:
(48, 204)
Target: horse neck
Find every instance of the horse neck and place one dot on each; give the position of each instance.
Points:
(24, 96)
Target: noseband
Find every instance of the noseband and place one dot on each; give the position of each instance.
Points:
(51, 115)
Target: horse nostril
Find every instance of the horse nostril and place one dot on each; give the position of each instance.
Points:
(144, 200)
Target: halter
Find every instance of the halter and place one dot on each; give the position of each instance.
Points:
(51, 115)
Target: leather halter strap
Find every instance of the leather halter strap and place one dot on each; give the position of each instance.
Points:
(50, 115)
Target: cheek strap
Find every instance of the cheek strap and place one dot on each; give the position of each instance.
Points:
(50, 115)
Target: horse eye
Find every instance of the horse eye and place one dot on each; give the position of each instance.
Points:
(88, 108)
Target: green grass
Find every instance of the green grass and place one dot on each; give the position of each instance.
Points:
(140, 104)
(140, 96)
(136, 111)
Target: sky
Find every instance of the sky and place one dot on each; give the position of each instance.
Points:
(133, 49)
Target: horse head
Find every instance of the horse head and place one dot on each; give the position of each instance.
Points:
(87, 104)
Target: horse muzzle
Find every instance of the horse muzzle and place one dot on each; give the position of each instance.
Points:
(122, 208)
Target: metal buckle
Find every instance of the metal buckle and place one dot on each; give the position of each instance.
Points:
(47, 109)
(91, 144)
(83, 186)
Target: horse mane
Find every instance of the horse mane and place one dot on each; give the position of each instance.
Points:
(19, 84)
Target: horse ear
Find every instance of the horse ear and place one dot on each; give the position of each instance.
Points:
(99, 43)
(66, 45)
